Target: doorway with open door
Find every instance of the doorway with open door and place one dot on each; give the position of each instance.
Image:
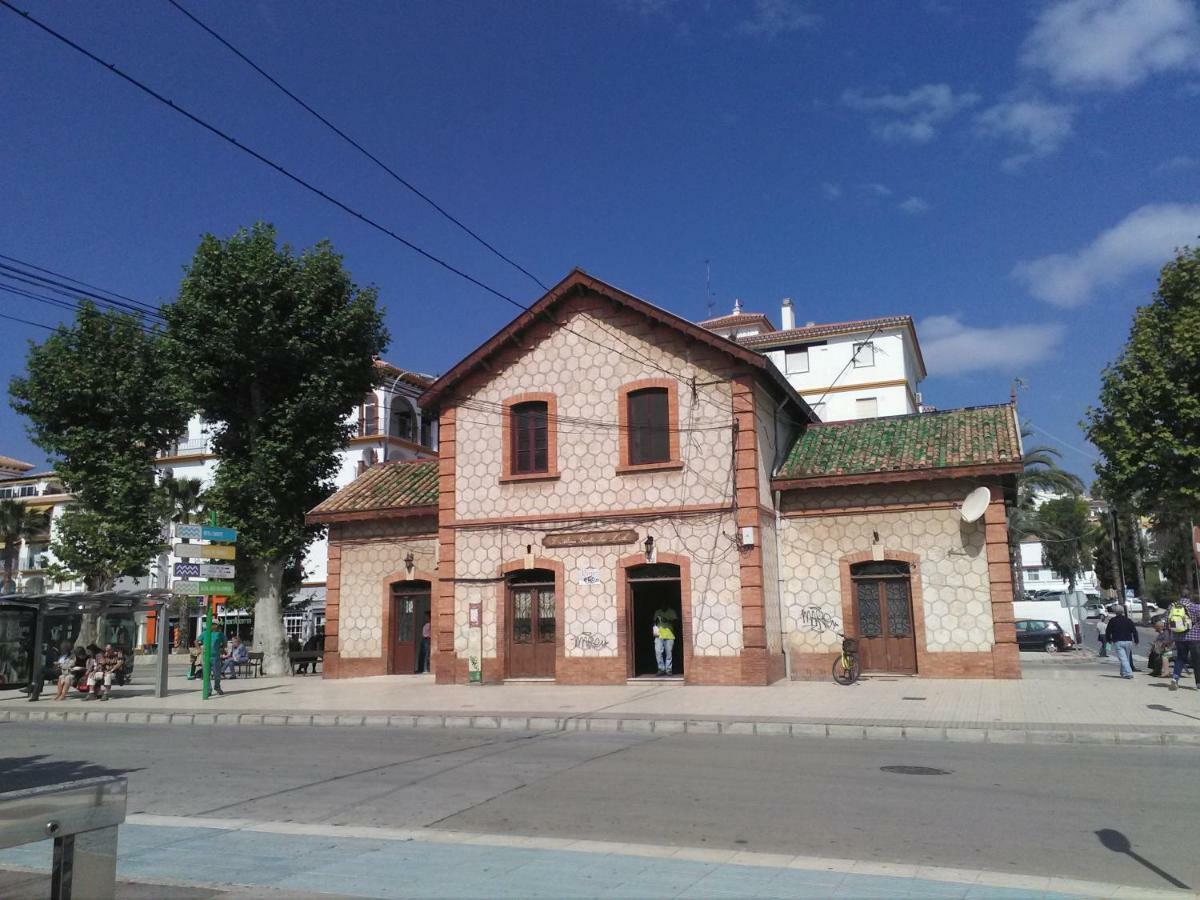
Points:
(654, 607)
(410, 613)
(883, 617)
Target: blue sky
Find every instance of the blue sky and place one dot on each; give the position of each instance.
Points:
(1012, 175)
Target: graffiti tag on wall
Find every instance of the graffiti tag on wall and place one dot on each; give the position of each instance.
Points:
(590, 640)
(819, 619)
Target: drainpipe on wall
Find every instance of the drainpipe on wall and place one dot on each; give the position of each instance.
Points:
(783, 640)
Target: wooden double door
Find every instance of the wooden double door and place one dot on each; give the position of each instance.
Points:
(883, 617)
(532, 625)
(410, 612)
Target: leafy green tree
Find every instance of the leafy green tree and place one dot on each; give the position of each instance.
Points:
(275, 350)
(98, 404)
(1040, 475)
(1148, 417)
(1068, 535)
(17, 523)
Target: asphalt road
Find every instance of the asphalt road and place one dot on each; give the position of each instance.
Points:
(1063, 810)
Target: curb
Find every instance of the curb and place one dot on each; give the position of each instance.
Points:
(833, 730)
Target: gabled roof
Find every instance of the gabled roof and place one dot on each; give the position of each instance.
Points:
(416, 379)
(814, 332)
(14, 465)
(736, 319)
(578, 281)
(387, 489)
(953, 443)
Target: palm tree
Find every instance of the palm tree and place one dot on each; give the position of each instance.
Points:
(17, 523)
(1040, 474)
(186, 499)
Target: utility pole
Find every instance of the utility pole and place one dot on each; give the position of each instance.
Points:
(1118, 563)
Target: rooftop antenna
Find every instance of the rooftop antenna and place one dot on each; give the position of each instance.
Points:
(709, 299)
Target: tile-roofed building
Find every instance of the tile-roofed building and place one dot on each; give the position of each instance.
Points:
(982, 436)
(393, 488)
(809, 332)
(10, 466)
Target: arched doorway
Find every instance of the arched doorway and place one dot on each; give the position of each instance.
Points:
(883, 617)
(654, 591)
(410, 612)
(532, 624)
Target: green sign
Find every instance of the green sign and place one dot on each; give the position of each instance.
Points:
(203, 588)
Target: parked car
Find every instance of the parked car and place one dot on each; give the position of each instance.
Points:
(1042, 634)
(1133, 606)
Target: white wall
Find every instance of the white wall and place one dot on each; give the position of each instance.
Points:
(827, 365)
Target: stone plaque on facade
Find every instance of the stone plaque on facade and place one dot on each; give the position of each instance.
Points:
(590, 538)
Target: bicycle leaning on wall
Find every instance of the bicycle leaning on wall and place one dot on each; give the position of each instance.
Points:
(846, 668)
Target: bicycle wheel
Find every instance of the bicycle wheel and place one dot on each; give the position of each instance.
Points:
(846, 674)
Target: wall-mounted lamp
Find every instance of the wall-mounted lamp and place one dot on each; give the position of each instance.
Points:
(648, 546)
(408, 562)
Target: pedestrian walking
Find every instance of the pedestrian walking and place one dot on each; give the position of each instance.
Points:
(1123, 635)
(1183, 621)
(214, 645)
(426, 633)
(664, 641)
(1101, 628)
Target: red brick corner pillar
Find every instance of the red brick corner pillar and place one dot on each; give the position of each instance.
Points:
(1006, 661)
(333, 603)
(757, 667)
(445, 667)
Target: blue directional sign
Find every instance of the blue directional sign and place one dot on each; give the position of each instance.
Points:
(214, 533)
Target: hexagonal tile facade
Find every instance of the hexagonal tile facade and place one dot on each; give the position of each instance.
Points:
(585, 378)
(954, 568)
(590, 610)
(365, 565)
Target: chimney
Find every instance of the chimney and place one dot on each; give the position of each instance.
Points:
(787, 316)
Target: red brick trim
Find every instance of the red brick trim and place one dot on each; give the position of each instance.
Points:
(878, 507)
(786, 484)
(1006, 661)
(389, 645)
(333, 603)
(686, 637)
(371, 515)
(497, 670)
(671, 386)
(551, 472)
(442, 602)
(640, 512)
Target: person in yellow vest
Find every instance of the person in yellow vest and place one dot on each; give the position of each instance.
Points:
(664, 641)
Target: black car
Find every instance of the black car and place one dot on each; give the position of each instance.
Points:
(1041, 634)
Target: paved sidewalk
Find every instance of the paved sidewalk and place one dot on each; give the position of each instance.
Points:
(420, 863)
(1075, 698)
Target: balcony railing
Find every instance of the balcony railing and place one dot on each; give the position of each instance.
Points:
(192, 445)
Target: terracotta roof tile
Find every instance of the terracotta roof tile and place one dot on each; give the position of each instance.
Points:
(16, 465)
(815, 331)
(981, 435)
(412, 484)
(738, 319)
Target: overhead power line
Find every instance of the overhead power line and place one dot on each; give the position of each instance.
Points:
(27, 322)
(119, 296)
(358, 146)
(65, 290)
(311, 188)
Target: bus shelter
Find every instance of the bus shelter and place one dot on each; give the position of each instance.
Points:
(32, 627)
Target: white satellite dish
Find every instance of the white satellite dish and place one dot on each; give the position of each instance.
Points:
(975, 504)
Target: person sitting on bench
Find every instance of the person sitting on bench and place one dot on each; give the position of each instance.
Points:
(238, 654)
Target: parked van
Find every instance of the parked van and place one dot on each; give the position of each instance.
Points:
(1049, 608)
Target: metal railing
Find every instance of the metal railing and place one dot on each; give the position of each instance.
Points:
(81, 817)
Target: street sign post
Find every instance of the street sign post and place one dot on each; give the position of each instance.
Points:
(203, 570)
(188, 532)
(203, 588)
(205, 551)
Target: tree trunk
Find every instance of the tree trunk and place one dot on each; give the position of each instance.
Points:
(268, 616)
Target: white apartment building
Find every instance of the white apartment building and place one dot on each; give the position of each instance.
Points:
(844, 370)
(388, 426)
(39, 492)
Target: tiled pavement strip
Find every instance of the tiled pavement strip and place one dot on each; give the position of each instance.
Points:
(1054, 703)
(427, 863)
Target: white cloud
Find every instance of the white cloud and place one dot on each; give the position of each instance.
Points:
(1178, 164)
(1144, 239)
(915, 206)
(952, 348)
(771, 18)
(1112, 44)
(1036, 126)
(831, 190)
(875, 189)
(912, 117)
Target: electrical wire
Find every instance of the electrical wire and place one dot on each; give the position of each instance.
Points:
(356, 145)
(86, 284)
(28, 322)
(306, 185)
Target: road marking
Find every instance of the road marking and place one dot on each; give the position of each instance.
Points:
(978, 877)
